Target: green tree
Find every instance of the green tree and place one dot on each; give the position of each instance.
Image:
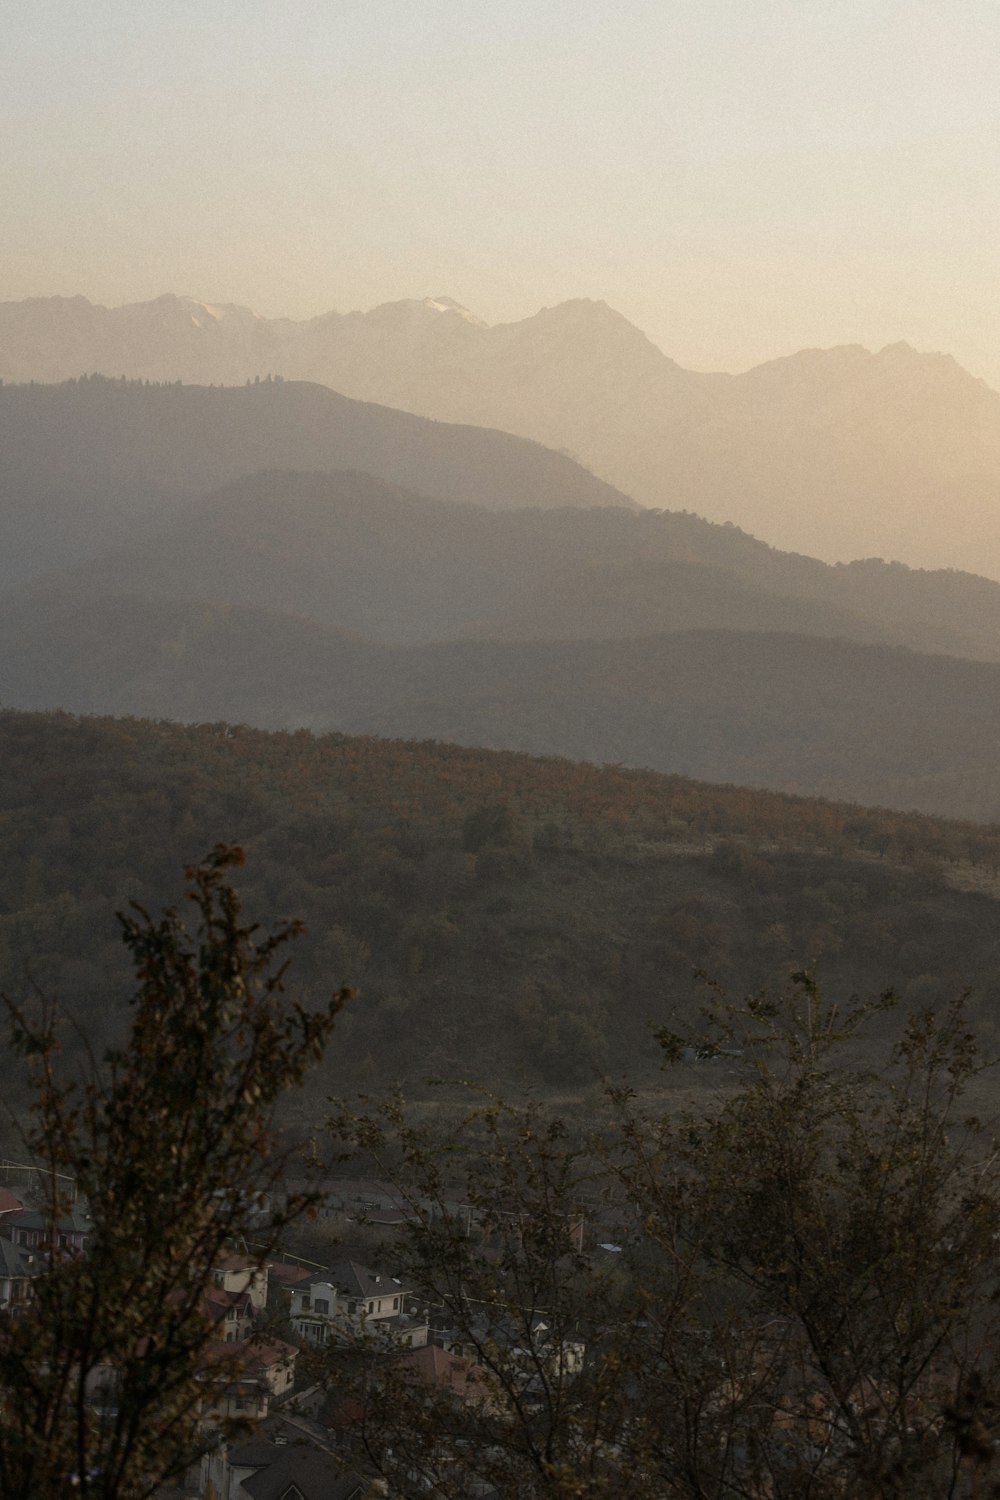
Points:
(104, 1379)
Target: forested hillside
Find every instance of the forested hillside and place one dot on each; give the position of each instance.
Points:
(526, 918)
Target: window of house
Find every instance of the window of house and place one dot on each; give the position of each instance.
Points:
(352, 1307)
(395, 1304)
(371, 1307)
(322, 1305)
(306, 1304)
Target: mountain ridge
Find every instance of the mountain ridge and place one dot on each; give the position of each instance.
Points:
(873, 724)
(837, 454)
(356, 551)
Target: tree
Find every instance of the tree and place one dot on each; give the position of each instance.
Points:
(801, 1298)
(104, 1379)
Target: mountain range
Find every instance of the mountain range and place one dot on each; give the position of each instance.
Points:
(838, 453)
(85, 462)
(344, 600)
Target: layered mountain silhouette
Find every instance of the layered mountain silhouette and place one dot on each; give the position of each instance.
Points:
(878, 725)
(83, 460)
(355, 552)
(341, 601)
(551, 616)
(839, 453)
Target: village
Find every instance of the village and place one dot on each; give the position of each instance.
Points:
(281, 1417)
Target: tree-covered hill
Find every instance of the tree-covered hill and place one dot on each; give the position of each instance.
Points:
(510, 917)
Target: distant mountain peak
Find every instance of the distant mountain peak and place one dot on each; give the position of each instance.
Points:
(585, 309)
(448, 304)
(417, 310)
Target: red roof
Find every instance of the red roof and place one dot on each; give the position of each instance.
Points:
(216, 1303)
(9, 1204)
(269, 1352)
(288, 1275)
(254, 1353)
(229, 1261)
(433, 1366)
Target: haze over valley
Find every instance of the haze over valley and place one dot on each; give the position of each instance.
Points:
(837, 453)
(502, 596)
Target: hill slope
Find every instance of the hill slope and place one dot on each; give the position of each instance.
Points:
(504, 917)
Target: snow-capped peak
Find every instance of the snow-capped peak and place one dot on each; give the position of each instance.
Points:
(448, 304)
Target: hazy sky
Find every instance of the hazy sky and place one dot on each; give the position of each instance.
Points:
(741, 178)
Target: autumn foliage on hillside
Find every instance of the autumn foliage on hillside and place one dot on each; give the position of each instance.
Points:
(529, 916)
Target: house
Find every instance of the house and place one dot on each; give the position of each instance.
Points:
(313, 1312)
(243, 1380)
(232, 1312)
(350, 1299)
(562, 1354)
(367, 1294)
(272, 1362)
(528, 1350)
(241, 1273)
(268, 1363)
(18, 1267)
(283, 1463)
(34, 1231)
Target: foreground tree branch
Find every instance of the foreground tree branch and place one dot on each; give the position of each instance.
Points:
(104, 1379)
(792, 1293)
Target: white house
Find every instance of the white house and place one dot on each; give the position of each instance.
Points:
(350, 1299)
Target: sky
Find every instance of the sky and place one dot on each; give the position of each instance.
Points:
(740, 178)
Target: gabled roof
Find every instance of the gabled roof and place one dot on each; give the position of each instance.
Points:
(315, 1475)
(77, 1222)
(9, 1203)
(358, 1281)
(340, 1411)
(229, 1261)
(26, 1218)
(267, 1352)
(253, 1354)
